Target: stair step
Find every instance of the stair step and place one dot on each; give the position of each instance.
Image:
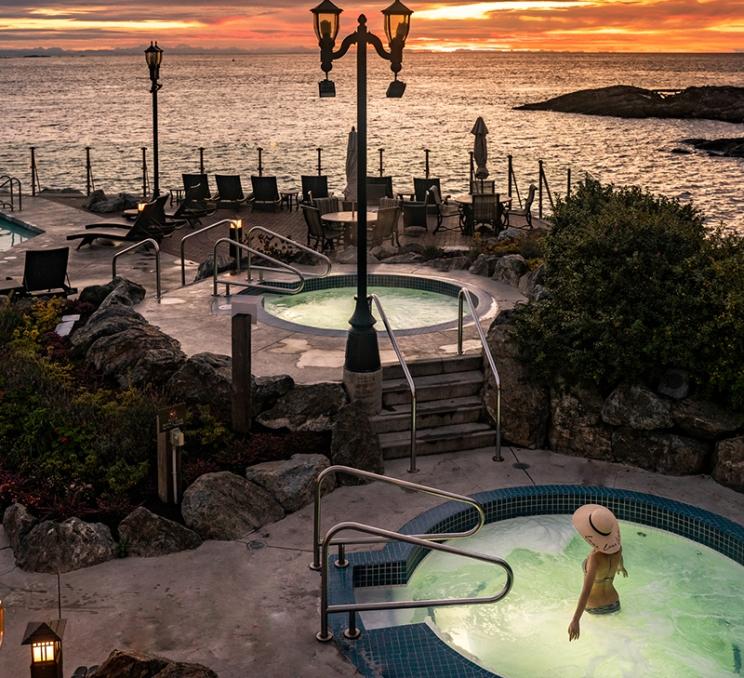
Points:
(423, 368)
(433, 387)
(429, 414)
(438, 440)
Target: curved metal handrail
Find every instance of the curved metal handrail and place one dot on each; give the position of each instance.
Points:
(264, 286)
(7, 180)
(294, 243)
(191, 235)
(352, 632)
(464, 295)
(407, 373)
(137, 245)
(368, 475)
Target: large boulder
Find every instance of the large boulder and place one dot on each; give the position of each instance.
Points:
(17, 522)
(348, 255)
(225, 506)
(96, 196)
(510, 268)
(406, 258)
(532, 283)
(484, 264)
(664, 452)
(204, 379)
(728, 463)
(141, 355)
(674, 383)
(576, 426)
(525, 405)
(148, 535)
(457, 263)
(637, 407)
(103, 323)
(354, 442)
(118, 291)
(133, 664)
(704, 419)
(63, 547)
(206, 267)
(291, 481)
(121, 202)
(306, 408)
(265, 391)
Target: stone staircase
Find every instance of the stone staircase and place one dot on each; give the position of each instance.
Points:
(450, 412)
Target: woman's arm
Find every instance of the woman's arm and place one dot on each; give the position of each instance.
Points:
(591, 571)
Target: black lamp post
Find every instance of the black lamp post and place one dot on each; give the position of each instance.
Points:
(154, 57)
(362, 351)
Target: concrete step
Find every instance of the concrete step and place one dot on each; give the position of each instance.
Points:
(429, 414)
(423, 368)
(438, 440)
(432, 387)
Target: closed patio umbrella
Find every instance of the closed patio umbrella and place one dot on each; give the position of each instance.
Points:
(480, 149)
(350, 192)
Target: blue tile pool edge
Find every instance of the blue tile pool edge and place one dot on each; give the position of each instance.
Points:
(11, 218)
(413, 651)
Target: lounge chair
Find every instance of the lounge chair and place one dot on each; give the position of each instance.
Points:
(148, 224)
(265, 192)
(526, 211)
(319, 235)
(200, 181)
(45, 273)
(192, 209)
(230, 191)
(386, 226)
(414, 218)
(314, 187)
(444, 209)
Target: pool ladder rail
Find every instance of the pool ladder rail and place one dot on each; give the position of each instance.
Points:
(380, 535)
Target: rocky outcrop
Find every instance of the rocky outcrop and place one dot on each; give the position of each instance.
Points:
(103, 323)
(457, 263)
(664, 452)
(348, 255)
(266, 391)
(532, 284)
(63, 547)
(710, 103)
(118, 291)
(206, 267)
(576, 426)
(510, 269)
(17, 522)
(728, 463)
(484, 264)
(292, 481)
(407, 258)
(99, 203)
(132, 664)
(636, 407)
(704, 419)
(225, 506)
(729, 148)
(384, 251)
(354, 442)
(204, 379)
(306, 408)
(525, 405)
(146, 534)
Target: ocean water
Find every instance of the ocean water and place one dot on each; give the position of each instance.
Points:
(232, 105)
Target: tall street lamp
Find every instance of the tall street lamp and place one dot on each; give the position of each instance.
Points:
(362, 372)
(154, 57)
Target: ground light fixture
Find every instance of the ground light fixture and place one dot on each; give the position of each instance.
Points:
(45, 639)
(362, 351)
(153, 58)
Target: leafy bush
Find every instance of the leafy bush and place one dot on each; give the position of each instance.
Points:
(637, 286)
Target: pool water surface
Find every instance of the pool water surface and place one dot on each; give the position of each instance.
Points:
(13, 234)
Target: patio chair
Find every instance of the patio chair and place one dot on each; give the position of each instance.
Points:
(486, 211)
(444, 209)
(198, 181)
(45, 273)
(386, 226)
(322, 235)
(387, 182)
(389, 202)
(526, 211)
(265, 192)
(421, 186)
(414, 218)
(327, 205)
(477, 186)
(230, 191)
(314, 187)
(376, 193)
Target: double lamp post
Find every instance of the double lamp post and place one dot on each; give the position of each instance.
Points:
(362, 371)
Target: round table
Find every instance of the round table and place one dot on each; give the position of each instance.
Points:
(347, 218)
(466, 200)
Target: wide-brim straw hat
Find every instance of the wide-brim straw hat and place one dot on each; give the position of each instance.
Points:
(599, 527)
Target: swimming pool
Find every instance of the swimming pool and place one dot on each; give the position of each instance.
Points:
(682, 611)
(14, 232)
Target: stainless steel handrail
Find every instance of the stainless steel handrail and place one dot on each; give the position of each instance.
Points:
(464, 295)
(407, 373)
(7, 180)
(405, 484)
(352, 632)
(137, 245)
(195, 233)
(294, 243)
(262, 285)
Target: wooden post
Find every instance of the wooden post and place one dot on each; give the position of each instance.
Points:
(241, 373)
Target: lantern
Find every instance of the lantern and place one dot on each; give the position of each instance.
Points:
(154, 57)
(46, 648)
(326, 20)
(397, 22)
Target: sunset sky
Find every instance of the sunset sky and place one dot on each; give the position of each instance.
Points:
(582, 25)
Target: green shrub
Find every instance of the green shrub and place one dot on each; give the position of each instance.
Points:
(637, 286)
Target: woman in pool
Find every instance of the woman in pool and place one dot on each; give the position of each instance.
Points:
(599, 527)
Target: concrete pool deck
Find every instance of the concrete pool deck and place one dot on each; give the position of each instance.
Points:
(250, 607)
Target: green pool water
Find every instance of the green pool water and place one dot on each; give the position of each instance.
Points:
(13, 234)
(682, 605)
(331, 309)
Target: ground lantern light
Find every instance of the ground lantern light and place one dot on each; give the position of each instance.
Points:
(45, 640)
(153, 58)
(362, 371)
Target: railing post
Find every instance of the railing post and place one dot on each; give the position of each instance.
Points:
(201, 160)
(341, 562)
(510, 172)
(260, 161)
(320, 161)
(382, 165)
(352, 632)
(568, 182)
(144, 172)
(34, 173)
(88, 172)
(426, 162)
(472, 173)
(540, 190)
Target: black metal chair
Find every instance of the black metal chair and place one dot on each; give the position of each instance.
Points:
(486, 211)
(386, 182)
(421, 186)
(485, 186)
(526, 211)
(386, 226)
(199, 182)
(319, 235)
(414, 218)
(444, 209)
(45, 273)
(266, 192)
(327, 205)
(313, 187)
(230, 191)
